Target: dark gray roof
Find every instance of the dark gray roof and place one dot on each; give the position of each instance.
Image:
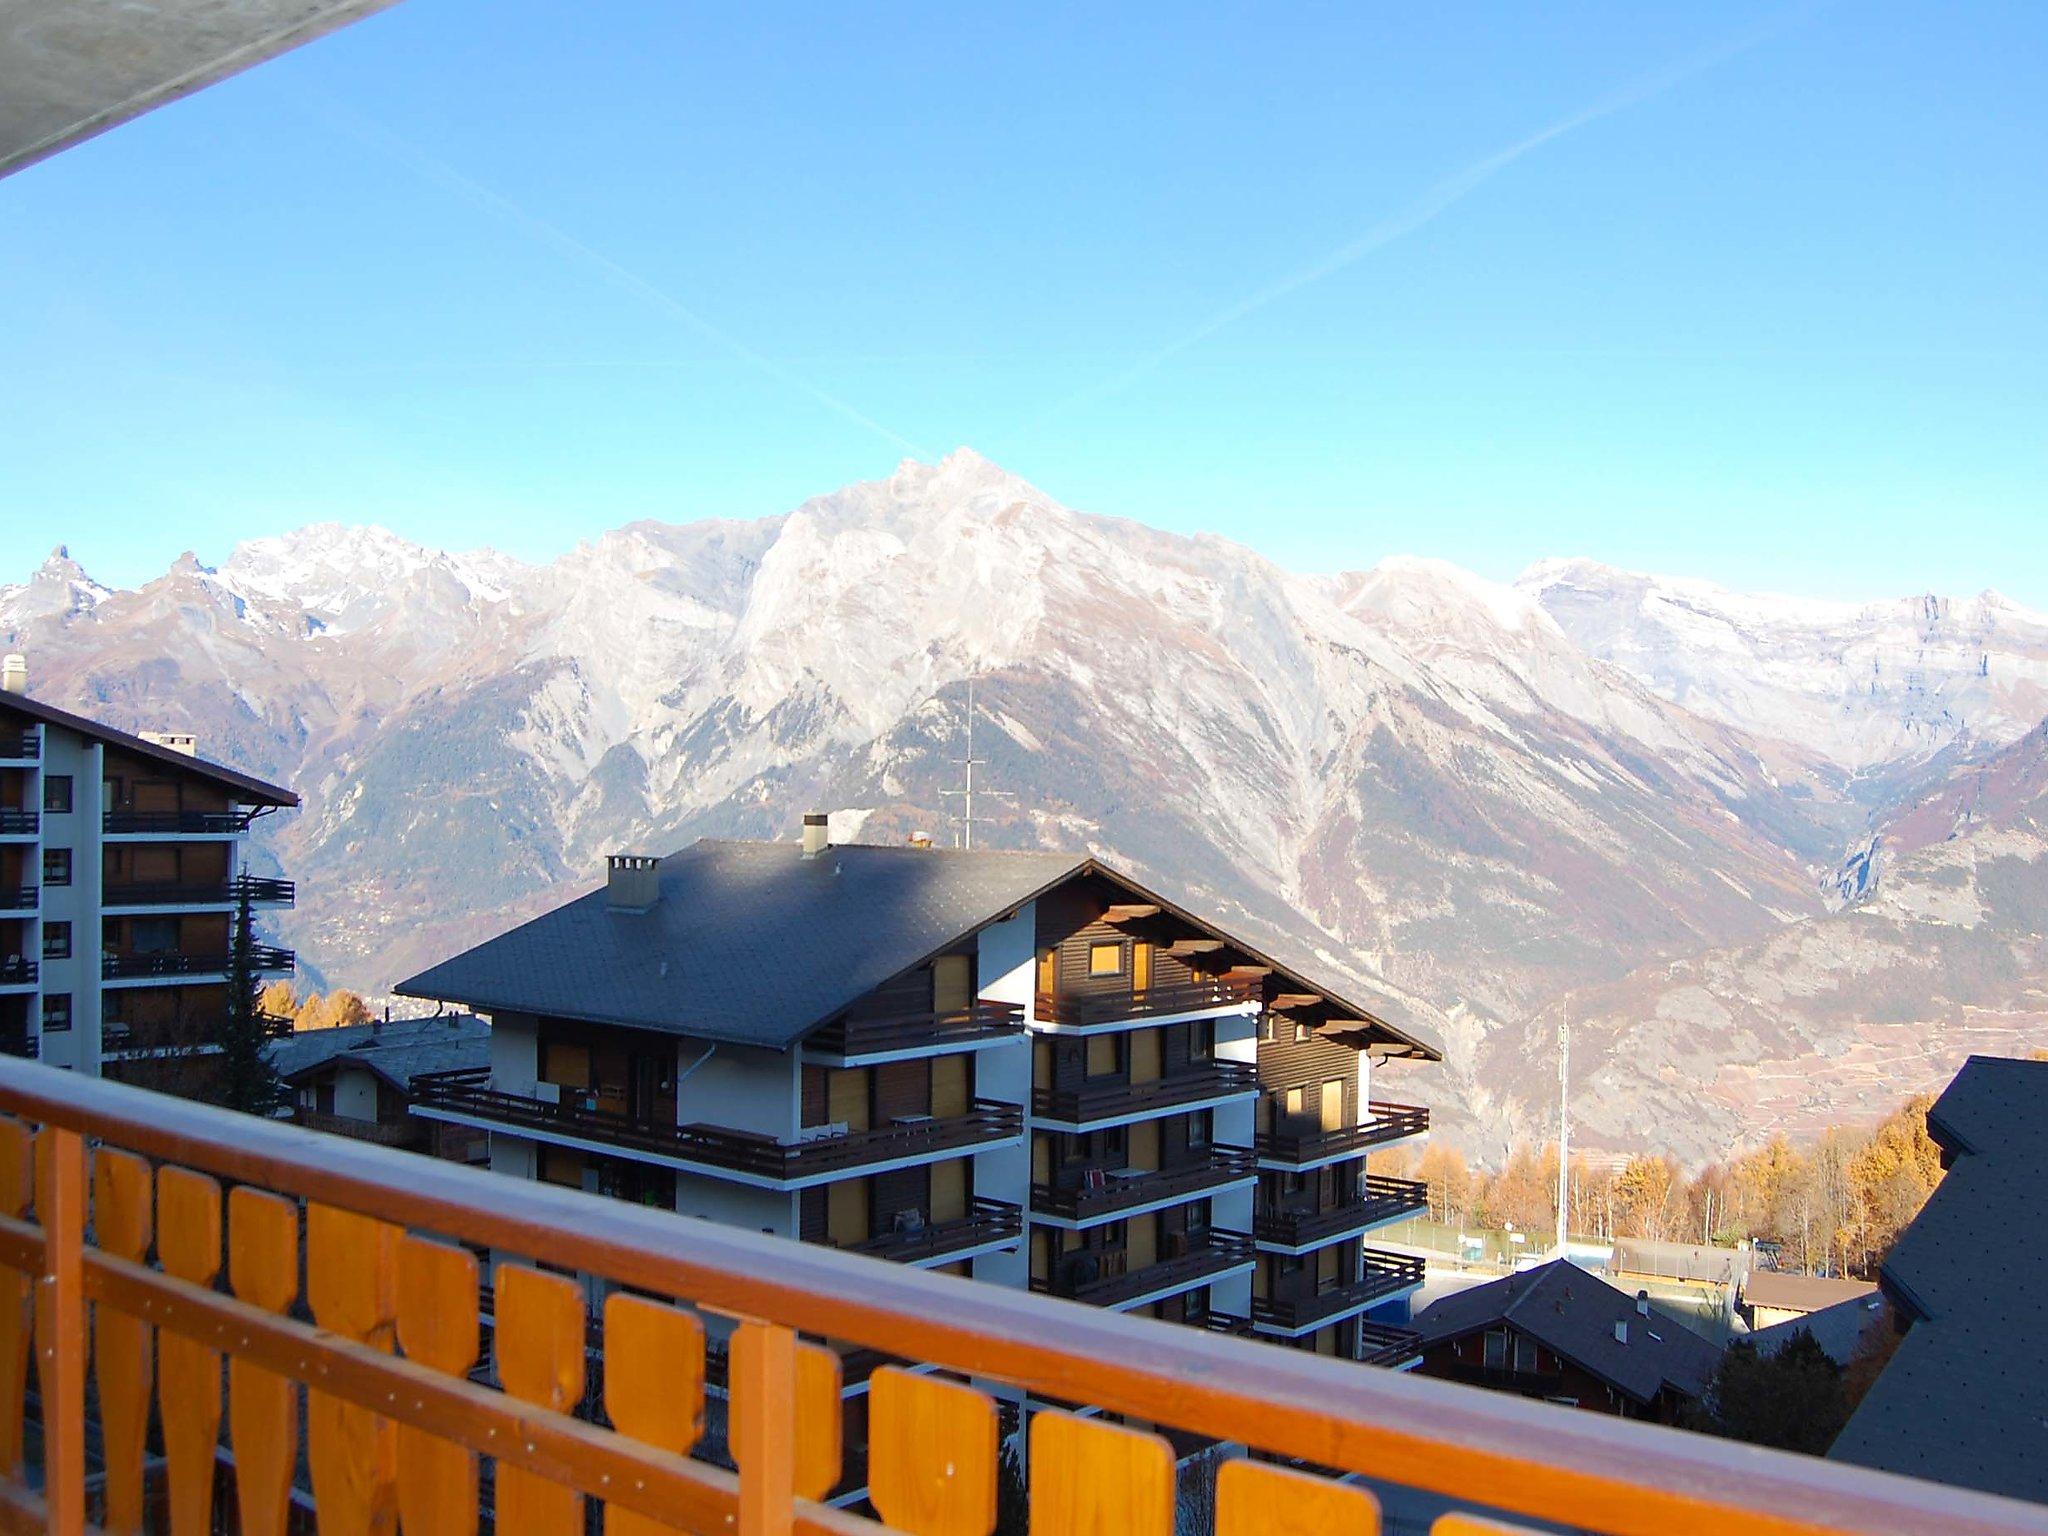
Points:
(753, 943)
(1838, 1329)
(1680, 1261)
(750, 942)
(396, 1052)
(1801, 1293)
(1965, 1398)
(1572, 1312)
(246, 788)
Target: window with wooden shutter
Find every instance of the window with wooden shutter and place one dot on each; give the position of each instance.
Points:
(1106, 959)
(1145, 1056)
(1141, 967)
(846, 1098)
(1144, 1154)
(952, 1085)
(1048, 971)
(1333, 1104)
(846, 1212)
(949, 1189)
(952, 983)
(1102, 1055)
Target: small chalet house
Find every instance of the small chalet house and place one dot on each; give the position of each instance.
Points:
(356, 1080)
(1017, 1066)
(1566, 1336)
(122, 879)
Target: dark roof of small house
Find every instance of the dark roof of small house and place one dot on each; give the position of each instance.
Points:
(752, 943)
(396, 1052)
(1964, 1399)
(1679, 1261)
(1838, 1329)
(246, 788)
(1572, 1313)
(1801, 1293)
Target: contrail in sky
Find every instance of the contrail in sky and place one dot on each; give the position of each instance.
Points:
(1443, 195)
(622, 278)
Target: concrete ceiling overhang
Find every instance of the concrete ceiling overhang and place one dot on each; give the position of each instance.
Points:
(72, 68)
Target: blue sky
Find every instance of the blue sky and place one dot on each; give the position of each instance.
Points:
(1758, 297)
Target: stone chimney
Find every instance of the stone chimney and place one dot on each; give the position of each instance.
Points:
(1642, 1303)
(1621, 1333)
(632, 881)
(176, 741)
(14, 673)
(817, 834)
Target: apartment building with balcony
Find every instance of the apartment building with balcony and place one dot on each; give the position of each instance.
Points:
(1015, 1065)
(122, 877)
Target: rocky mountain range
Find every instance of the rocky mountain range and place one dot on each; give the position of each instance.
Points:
(1780, 859)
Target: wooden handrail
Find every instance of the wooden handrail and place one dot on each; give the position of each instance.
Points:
(1605, 1475)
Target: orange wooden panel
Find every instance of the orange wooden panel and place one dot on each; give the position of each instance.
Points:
(188, 1373)
(62, 1194)
(818, 1423)
(932, 1455)
(17, 1179)
(1090, 1479)
(437, 1326)
(352, 1285)
(263, 1407)
(1254, 1498)
(538, 1345)
(123, 1364)
(653, 1386)
(1475, 1525)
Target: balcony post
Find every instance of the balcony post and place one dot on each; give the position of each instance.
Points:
(60, 1200)
(764, 1398)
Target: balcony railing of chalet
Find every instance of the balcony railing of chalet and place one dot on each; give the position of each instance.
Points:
(17, 898)
(1081, 1275)
(22, 745)
(404, 1133)
(1078, 1012)
(15, 971)
(1112, 1098)
(987, 1221)
(469, 1093)
(1384, 1344)
(15, 1040)
(1220, 1322)
(176, 1037)
(195, 823)
(1381, 1275)
(1384, 1123)
(1078, 1198)
(914, 1031)
(379, 1243)
(178, 962)
(1380, 1198)
(19, 823)
(259, 888)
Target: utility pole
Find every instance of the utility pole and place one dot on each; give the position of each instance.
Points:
(1564, 1127)
(963, 837)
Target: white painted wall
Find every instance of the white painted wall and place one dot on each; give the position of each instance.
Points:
(737, 1205)
(745, 1087)
(69, 752)
(1006, 972)
(355, 1093)
(515, 1052)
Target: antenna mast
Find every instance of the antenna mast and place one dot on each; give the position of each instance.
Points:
(963, 836)
(1564, 1126)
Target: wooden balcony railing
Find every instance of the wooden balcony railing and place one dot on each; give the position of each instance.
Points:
(17, 898)
(1110, 1009)
(402, 1133)
(24, 745)
(1114, 1098)
(1383, 1123)
(18, 823)
(178, 962)
(208, 1228)
(986, 1222)
(1384, 1344)
(1082, 1199)
(16, 971)
(171, 823)
(469, 1093)
(1099, 1279)
(919, 1031)
(260, 889)
(1379, 1199)
(1381, 1275)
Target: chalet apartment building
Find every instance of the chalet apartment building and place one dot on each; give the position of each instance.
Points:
(1017, 1066)
(120, 879)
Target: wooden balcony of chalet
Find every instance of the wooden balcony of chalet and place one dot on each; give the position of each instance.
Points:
(23, 744)
(852, 1037)
(1297, 1223)
(1384, 1344)
(1077, 1196)
(1309, 1146)
(1382, 1276)
(18, 898)
(1096, 1010)
(261, 890)
(986, 1223)
(1117, 1099)
(17, 822)
(17, 971)
(1100, 1279)
(183, 823)
(340, 1282)
(469, 1097)
(132, 965)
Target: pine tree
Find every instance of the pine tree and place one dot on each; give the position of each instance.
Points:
(248, 1079)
